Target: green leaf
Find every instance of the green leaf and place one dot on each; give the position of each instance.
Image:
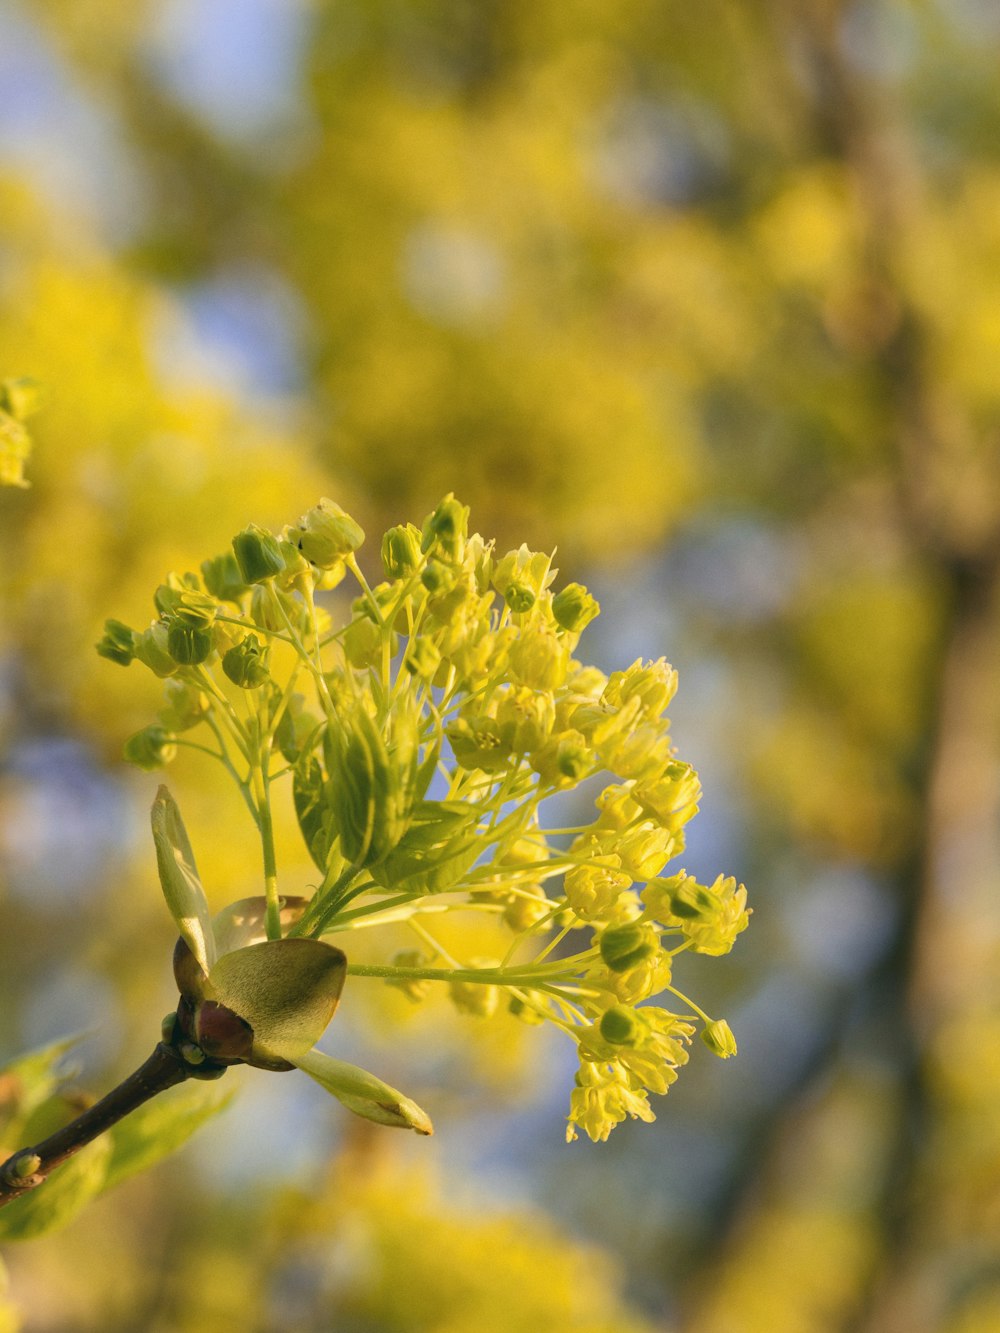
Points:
(434, 853)
(287, 990)
(179, 879)
(363, 1093)
(65, 1193)
(28, 1081)
(160, 1127)
(313, 811)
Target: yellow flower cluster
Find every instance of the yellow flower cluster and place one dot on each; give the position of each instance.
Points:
(422, 738)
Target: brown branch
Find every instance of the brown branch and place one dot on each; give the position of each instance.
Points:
(164, 1069)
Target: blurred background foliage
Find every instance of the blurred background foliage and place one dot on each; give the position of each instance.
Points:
(709, 297)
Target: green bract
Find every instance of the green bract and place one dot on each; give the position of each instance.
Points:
(422, 732)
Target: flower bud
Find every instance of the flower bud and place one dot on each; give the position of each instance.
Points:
(196, 610)
(593, 889)
(539, 659)
(527, 908)
(257, 554)
(574, 608)
(151, 650)
(525, 719)
(446, 529)
(362, 643)
(150, 748)
(437, 578)
(246, 664)
(327, 533)
(519, 597)
(564, 760)
(414, 988)
(187, 646)
(222, 578)
(521, 576)
(525, 1012)
(645, 850)
(719, 1039)
(422, 658)
(625, 947)
(621, 1026)
(400, 551)
(118, 643)
(474, 997)
(186, 705)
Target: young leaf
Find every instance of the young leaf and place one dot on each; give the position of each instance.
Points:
(287, 990)
(179, 879)
(245, 922)
(363, 1093)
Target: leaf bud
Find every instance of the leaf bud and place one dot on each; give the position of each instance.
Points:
(246, 664)
(187, 646)
(621, 1026)
(222, 577)
(446, 529)
(401, 551)
(257, 554)
(327, 533)
(150, 748)
(574, 608)
(718, 1037)
(625, 947)
(118, 643)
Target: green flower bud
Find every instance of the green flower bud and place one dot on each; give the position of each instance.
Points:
(401, 551)
(564, 760)
(625, 947)
(621, 1026)
(519, 597)
(525, 718)
(574, 608)
(437, 578)
(186, 705)
(422, 658)
(327, 533)
(151, 650)
(118, 643)
(257, 554)
(194, 609)
(539, 659)
(168, 594)
(525, 1012)
(222, 577)
(150, 748)
(372, 784)
(718, 1037)
(446, 529)
(187, 646)
(246, 664)
(414, 988)
(266, 612)
(362, 643)
(474, 997)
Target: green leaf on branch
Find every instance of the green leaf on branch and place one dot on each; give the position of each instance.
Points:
(313, 811)
(159, 1128)
(29, 1081)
